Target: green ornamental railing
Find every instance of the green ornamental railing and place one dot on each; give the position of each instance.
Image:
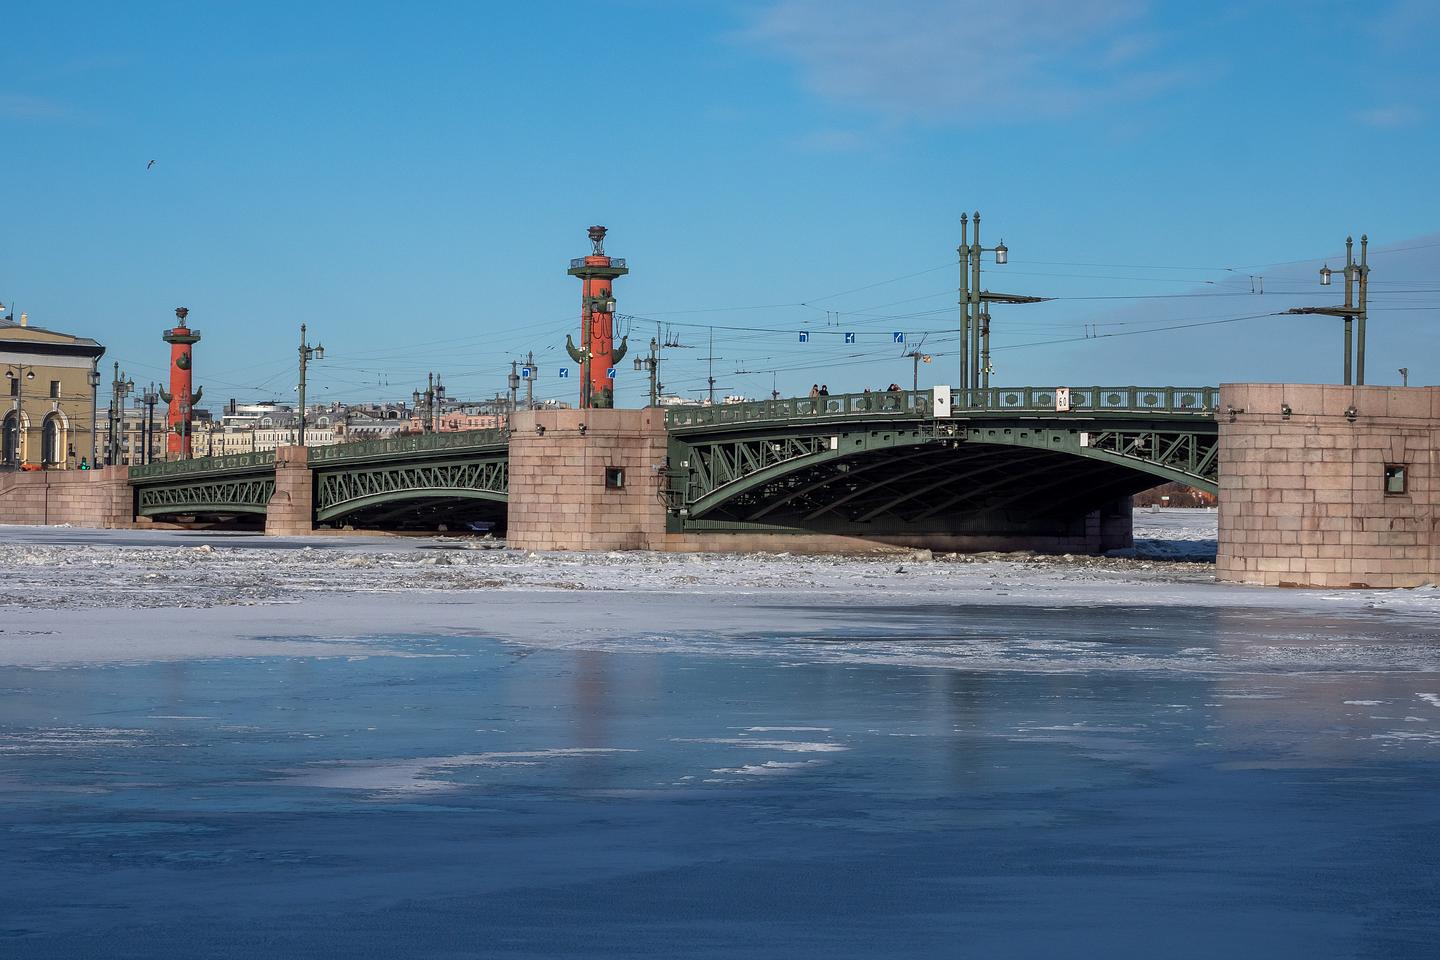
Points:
(903, 404)
(417, 443)
(1199, 401)
(201, 466)
(895, 403)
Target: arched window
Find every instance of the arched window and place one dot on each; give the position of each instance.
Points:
(52, 443)
(11, 438)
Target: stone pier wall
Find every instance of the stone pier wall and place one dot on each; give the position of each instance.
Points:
(291, 511)
(1303, 494)
(559, 497)
(82, 498)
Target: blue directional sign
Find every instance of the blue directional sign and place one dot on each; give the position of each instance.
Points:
(610, 372)
(897, 337)
(804, 336)
(563, 373)
(849, 338)
(526, 373)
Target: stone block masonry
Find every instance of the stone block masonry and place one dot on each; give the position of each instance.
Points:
(1329, 486)
(586, 480)
(83, 498)
(291, 511)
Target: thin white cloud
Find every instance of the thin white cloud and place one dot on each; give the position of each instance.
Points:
(24, 107)
(1394, 115)
(948, 59)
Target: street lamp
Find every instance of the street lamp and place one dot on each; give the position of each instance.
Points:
(1357, 281)
(147, 429)
(975, 366)
(434, 390)
(17, 378)
(121, 387)
(307, 353)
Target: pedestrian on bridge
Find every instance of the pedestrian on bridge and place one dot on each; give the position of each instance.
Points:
(814, 390)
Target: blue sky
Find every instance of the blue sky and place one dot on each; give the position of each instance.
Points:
(411, 180)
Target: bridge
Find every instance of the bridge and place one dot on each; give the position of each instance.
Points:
(1321, 485)
(427, 480)
(929, 462)
(899, 465)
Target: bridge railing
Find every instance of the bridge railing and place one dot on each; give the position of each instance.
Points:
(1083, 400)
(902, 404)
(883, 403)
(199, 466)
(418, 443)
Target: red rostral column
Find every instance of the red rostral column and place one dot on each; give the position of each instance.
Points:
(181, 400)
(597, 354)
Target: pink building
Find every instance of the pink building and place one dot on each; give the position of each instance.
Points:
(454, 422)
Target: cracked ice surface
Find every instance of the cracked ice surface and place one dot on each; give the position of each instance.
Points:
(80, 596)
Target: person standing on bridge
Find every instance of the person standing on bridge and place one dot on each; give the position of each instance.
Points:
(824, 390)
(814, 390)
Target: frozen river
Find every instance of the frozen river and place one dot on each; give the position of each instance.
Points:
(225, 747)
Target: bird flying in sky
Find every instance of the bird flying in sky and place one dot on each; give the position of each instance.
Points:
(150, 164)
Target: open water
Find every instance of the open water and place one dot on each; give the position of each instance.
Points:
(796, 796)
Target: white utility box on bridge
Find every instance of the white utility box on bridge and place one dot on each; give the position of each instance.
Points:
(942, 401)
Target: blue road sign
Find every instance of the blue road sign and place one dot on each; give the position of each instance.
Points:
(804, 336)
(610, 372)
(526, 373)
(564, 373)
(897, 337)
(849, 338)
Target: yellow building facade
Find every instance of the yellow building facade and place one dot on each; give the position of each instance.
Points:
(47, 397)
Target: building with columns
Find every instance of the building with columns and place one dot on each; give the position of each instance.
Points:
(48, 390)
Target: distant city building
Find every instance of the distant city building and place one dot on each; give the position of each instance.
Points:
(141, 427)
(454, 422)
(49, 389)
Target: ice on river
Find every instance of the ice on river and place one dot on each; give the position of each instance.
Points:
(84, 596)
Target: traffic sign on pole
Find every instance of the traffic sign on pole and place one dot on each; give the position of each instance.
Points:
(526, 373)
(849, 338)
(564, 373)
(897, 337)
(804, 336)
(610, 373)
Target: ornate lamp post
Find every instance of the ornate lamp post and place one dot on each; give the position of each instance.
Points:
(429, 401)
(17, 377)
(1357, 280)
(121, 387)
(307, 353)
(975, 366)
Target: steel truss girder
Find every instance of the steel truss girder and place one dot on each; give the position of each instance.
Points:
(711, 472)
(237, 495)
(1183, 455)
(729, 468)
(344, 491)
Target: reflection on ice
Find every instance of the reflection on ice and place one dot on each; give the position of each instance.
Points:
(420, 774)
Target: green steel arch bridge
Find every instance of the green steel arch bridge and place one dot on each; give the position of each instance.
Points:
(1025, 459)
(429, 479)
